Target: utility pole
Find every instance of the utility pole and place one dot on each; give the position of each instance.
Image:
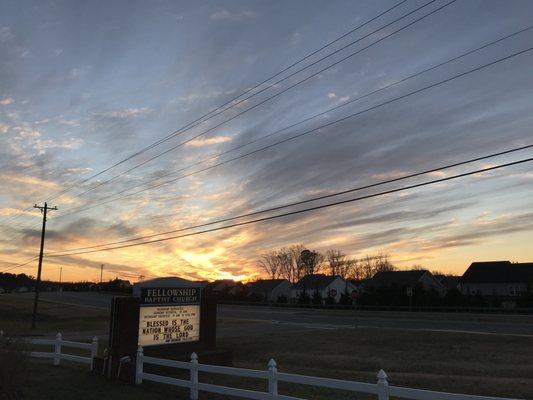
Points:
(44, 211)
(101, 272)
(60, 276)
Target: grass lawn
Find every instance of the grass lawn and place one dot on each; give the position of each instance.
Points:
(494, 365)
(16, 315)
(463, 363)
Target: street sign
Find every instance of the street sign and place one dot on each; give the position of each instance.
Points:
(409, 291)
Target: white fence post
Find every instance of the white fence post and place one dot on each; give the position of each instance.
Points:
(139, 366)
(57, 349)
(94, 350)
(272, 379)
(194, 376)
(383, 386)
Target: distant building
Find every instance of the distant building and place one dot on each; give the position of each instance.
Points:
(224, 287)
(497, 278)
(408, 278)
(327, 286)
(448, 281)
(270, 289)
(168, 281)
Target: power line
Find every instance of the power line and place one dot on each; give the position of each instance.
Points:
(306, 132)
(341, 202)
(21, 264)
(190, 124)
(279, 93)
(313, 199)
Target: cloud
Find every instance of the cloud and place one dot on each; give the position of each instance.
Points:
(76, 73)
(209, 141)
(331, 95)
(4, 128)
(6, 101)
(5, 34)
(69, 122)
(225, 15)
(126, 113)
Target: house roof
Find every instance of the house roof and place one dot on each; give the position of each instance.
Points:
(448, 281)
(399, 278)
(498, 272)
(265, 285)
(313, 282)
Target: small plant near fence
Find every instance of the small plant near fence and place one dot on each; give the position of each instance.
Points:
(13, 361)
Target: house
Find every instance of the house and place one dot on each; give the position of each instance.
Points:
(225, 288)
(270, 289)
(327, 286)
(497, 278)
(448, 281)
(407, 279)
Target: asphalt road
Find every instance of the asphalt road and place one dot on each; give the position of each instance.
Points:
(239, 320)
(335, 319)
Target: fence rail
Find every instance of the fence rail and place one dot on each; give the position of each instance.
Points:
(59, 344)
(381, 389)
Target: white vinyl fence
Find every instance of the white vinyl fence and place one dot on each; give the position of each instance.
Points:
(59, 344)
(381, 389)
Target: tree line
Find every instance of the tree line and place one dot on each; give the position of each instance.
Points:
(296, 261)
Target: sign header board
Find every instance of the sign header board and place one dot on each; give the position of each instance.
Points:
(168, 295)
(169, 315)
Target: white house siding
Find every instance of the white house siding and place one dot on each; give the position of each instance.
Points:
(429, 281)
(283, 289)
(493, 289)
(338, 284)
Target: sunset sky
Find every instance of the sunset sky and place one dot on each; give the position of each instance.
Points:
(84, 85)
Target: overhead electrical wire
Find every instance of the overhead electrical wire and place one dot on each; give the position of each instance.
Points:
(22, 264)
(305, 210)
(279, 93)
(189, 125)
(309, 131)
(313, 199)
(229, 102)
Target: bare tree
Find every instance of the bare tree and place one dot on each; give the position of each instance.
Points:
(288, 268)
(270, 263)
(347, 270)
(356, 270)
(382, 263)
(368, 266)
(311, 261)
(336, 259)
(297, 267)
(339, 264)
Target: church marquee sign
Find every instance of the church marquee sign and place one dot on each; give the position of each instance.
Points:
(169, 315)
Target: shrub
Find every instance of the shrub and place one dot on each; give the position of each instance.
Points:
(282, 299)
(12, 368)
